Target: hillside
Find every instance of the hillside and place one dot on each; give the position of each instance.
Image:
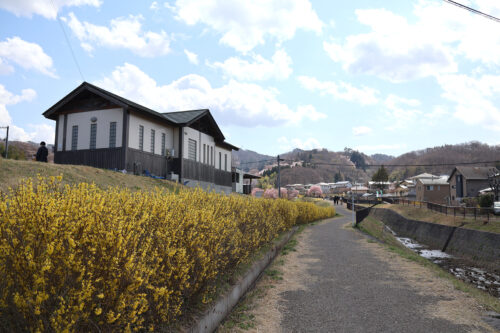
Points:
(20, 150)
(449, 154)
(247, 160)
(12, 172)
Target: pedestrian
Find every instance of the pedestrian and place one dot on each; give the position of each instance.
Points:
(42, 153)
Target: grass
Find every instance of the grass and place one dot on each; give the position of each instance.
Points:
(376, 229)
(424, 214)
(12, 172)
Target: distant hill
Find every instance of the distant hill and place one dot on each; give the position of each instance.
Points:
(447, 154)
(21, 150)
(247, 160)
(381, 158)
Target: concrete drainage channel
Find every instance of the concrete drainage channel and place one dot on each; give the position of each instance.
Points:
(211, 319)
(464, 270)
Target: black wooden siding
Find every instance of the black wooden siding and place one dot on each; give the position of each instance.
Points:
(204, 172)
(106, 158)
(139, 161)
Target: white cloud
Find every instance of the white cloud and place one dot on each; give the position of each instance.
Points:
(26, 55)
(307, 144)
(476, 99)
(192, 57)
(279, 67)
(401, 112)
(361, 130)
(45, 8)
(368, 148)
(37, 132)
(341, 90)
(398, 50)
(123, 33)
(236, 103)
(246, 24)
(154, 6)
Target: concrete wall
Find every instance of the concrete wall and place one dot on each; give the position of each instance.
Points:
(472, 244)
(207, 186)
(82, 120)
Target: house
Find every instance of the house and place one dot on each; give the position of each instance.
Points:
(325, 187)
(467, 181)
(97, 128)
(242, 181)
(433, 190)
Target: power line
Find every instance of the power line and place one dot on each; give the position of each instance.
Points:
(475, 11)
(67, 41)
(406, 165)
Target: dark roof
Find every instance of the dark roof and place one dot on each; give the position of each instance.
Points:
(179, 118)
(185, 117)
(474, 173)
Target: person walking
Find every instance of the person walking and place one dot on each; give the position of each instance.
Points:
(42, 153)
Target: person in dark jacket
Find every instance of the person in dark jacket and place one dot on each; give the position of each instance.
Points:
(42, 153)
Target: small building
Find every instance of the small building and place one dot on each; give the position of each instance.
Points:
(98, 128)
(433, 190)
(467, 181)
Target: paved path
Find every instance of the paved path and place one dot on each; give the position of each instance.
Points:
(350, 290)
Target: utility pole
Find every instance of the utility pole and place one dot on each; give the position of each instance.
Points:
(6, 141)
(279, 177)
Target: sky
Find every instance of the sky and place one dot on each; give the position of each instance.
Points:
(379, 76)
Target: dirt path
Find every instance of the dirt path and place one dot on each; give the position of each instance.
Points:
(337, 281)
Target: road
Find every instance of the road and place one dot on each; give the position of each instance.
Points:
(338, 281)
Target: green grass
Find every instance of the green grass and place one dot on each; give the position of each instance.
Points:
(424, 214)
(375, 228)
(289, 247)
(12, 173)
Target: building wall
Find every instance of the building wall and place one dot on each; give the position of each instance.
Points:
(474, 186)
(201, 139)
(439, 194)
(136, 120)
(82, 120)
(59, 134)
(224, 152)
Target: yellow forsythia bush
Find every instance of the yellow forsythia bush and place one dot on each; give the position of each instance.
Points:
(79, 258)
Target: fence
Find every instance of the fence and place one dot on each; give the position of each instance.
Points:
(471, 212)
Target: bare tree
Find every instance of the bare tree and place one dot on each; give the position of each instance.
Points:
(494, 180)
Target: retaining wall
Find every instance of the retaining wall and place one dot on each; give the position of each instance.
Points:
(472, 244)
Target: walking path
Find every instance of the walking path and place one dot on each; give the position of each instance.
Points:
(338, 281)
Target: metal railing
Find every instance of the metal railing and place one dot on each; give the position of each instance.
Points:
(457, 211)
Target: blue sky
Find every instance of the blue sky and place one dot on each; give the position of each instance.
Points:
(375, 75)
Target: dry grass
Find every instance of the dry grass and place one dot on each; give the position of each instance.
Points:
(424, 214)
(12, 172)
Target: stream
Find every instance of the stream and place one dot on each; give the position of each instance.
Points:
(465, 270)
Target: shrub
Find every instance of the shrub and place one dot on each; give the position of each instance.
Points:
(79, 258)
(486, 200)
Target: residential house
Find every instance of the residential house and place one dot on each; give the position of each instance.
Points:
(433, 190)
(467, 181)
(97, 128)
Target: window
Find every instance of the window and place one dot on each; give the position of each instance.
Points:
(93, 134)
(225, 162)
(163, 144)
(220, 160)
(192, 149)
(74, 138)
(112, 134)
(153, 141)
(430, 188)
(211, 155)
(204, 153)
(141, 137)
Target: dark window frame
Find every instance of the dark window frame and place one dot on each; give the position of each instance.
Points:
(112, 134)
(74, 137)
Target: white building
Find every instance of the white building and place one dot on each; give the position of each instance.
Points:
(97, 128)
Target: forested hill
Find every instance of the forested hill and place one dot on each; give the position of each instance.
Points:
(447, 154)
(248, 160)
